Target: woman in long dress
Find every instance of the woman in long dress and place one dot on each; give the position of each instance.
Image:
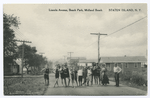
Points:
(105, 79)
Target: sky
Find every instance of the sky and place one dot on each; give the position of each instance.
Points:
(55, 33)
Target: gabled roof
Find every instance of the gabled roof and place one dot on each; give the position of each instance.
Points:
(88, 61)
(116, 59)
(124, 59)
(80, 58)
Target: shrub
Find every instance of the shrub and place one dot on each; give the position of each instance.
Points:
(110, 73)
(139, 80)
(125, 77)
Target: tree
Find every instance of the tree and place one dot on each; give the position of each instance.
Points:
(31, 59)
(10, 45)
(29, 53)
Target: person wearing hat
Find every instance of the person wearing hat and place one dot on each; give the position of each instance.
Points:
(117, 70)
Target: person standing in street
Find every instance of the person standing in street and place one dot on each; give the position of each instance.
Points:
(57, 75)
(105, 79)
(98, 74)
(80, 74)
(117, 70)
(88, 75)
(92, 73)
(72, 76)
(62, 74)
(67, 75)
(46, 75)
(85, 75)
(75, 75)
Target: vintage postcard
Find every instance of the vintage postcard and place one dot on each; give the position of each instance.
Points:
(75, 49)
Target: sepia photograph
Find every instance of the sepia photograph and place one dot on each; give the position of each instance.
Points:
(94, 49)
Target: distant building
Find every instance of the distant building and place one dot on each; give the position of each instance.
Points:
(129, 64)
(13, 68)
(74, 60)
(79, 58)
(87, 62)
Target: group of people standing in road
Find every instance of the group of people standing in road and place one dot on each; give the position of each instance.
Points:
(80, 75)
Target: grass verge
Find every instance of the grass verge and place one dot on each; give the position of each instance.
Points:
(24, 86)
(130, 84)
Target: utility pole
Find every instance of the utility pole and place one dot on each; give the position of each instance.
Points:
(99, 34)
(70, 56)
(22, 52)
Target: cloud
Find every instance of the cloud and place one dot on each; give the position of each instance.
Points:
(56, 33)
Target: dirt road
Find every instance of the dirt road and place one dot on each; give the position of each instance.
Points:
(97, 90)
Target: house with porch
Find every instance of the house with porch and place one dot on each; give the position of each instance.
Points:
(13, 68)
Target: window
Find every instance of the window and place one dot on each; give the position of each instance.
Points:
(126, 65)
(136, 65)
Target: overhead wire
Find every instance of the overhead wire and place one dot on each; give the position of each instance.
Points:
(117, 31)
(124, 27)
(33, 44)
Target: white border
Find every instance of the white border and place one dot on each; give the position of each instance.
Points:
(65, 2)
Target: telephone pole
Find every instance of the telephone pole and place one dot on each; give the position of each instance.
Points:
(22, 52)
(99, 34)
(70, 55)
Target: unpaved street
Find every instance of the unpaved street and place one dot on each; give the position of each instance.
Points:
(92, 90)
